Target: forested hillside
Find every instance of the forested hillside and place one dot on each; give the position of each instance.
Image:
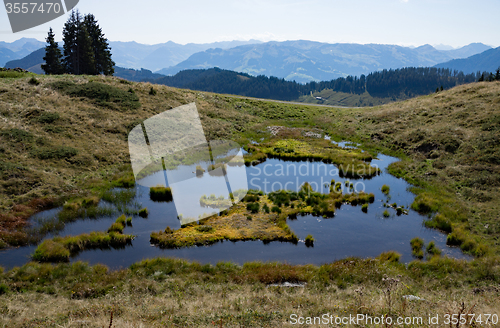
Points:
(396, 84)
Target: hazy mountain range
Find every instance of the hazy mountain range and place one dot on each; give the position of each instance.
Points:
(487, 61)
(302, 61)
(126, 54)
(18, 49)
(158, 56)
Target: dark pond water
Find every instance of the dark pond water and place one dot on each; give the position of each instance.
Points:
(349, 233)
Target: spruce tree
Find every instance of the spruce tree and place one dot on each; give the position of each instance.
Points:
(70, 39)
(497, 75)
(102, 52)
(86, 50)
(86, 61)
(53, 56)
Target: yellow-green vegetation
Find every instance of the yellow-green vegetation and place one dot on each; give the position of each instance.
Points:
(309, 241)
(59, 249)
(417, 247)
(399, 209)
(385, 189)
(231, 225)
(351, 162)
(14, 73)
(386, 214)
(199, 170)
(160, 194)
(439, 222)
(154, 292)
(119, 224)
(432, 249)
(258, 217)
(143, 213)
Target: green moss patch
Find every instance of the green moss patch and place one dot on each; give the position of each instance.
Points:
(59, 249)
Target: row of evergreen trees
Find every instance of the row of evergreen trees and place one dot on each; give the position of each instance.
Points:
(397, 84)
(85, 49)
(490, 77)
(414, 81)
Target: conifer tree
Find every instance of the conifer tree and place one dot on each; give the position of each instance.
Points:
(86, 50)
(53, 56)
(86, 60)
(497, 75)
(70, 39)
(102, 52)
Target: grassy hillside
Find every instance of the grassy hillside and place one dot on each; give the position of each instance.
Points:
(176, 293)
(342, 99)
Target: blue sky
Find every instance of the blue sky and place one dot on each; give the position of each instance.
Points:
(402, 22)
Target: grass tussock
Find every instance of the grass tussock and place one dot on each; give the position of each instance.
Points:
(160, 194)
(60, 249)
(143, 212)
(386, 189)
(432, 249)
(199, 170)
(62, 152)
(417, 247)
(309, 241)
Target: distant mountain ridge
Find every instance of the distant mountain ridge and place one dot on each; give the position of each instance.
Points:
(155, 57)
(126, 54)
(18, 49)
(304, 61)
(32, 62)
(487, 61)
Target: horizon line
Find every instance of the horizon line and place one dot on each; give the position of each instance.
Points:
(279, 41)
